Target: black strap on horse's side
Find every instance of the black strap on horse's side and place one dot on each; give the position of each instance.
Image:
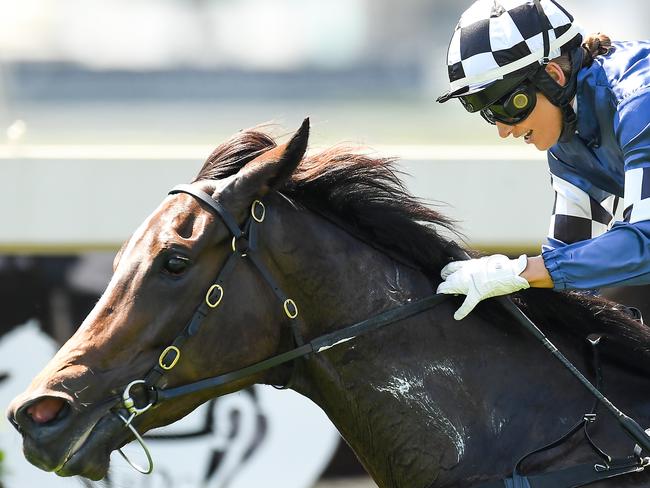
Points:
(572, 477)
(582, 474)
(630, 426)
(317, 345)
(584, 423)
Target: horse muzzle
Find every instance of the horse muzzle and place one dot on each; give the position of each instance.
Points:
(58, 436)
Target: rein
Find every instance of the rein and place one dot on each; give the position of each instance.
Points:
(244, 245)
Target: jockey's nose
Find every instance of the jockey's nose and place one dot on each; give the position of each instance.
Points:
(504, 130)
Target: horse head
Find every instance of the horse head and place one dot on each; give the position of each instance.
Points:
(69, 414)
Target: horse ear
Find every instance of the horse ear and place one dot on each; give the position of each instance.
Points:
(271, 169)
(264, 173)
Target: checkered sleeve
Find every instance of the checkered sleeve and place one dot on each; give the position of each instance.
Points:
(577, 216)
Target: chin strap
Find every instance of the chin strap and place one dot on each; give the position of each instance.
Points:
(558, 95)
(562, 96)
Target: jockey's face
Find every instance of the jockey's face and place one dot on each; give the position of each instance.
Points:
(542, 127)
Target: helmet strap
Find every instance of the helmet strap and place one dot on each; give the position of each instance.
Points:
(561, 96)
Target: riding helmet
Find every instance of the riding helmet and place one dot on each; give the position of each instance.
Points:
(497, 56)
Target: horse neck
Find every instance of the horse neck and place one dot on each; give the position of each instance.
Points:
(339, 281)
(425, 398)
(338, 278)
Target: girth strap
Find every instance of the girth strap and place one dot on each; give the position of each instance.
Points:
(573, 477)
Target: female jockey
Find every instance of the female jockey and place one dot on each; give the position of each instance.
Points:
(523, 65)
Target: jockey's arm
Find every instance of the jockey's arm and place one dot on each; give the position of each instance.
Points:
(536, 273)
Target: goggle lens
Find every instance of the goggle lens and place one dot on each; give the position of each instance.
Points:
(512, 108)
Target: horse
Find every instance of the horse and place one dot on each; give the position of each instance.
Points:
(306, 245)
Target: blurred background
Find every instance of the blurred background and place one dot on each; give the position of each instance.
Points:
(106, 104)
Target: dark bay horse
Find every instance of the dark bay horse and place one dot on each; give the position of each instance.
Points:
(424, 402)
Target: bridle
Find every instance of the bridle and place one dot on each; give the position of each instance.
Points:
(243, 245)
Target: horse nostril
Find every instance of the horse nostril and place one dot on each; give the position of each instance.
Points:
(45, 410)
(40, 411)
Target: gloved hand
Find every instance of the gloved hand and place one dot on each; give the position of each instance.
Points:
(482, 278)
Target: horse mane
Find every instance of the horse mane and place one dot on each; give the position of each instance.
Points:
(365, 195)
(361, 193)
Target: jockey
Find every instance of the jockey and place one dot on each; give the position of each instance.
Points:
(525, 67)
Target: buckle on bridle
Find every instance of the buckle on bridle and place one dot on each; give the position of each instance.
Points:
(290, 308)
(208, 296)
(257, 204)
(236, 248)
(162, 360)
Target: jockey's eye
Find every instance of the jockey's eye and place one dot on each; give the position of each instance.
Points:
(176, 265)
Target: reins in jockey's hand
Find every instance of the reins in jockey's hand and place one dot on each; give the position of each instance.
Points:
(482, 278)
(630, 426)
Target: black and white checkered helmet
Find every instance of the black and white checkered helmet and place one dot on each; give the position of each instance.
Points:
(495, 38)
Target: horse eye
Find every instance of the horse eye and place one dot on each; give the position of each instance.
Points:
(176, 265)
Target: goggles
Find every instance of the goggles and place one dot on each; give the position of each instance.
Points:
(507, 101)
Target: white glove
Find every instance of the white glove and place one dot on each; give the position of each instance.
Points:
(482, 278)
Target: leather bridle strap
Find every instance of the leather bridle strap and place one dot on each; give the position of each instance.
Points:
(215, 293)
(320, 344)
(225, 215)
(172, 353)
(243, 244)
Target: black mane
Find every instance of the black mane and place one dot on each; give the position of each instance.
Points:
(362, 192)
(367, 195)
